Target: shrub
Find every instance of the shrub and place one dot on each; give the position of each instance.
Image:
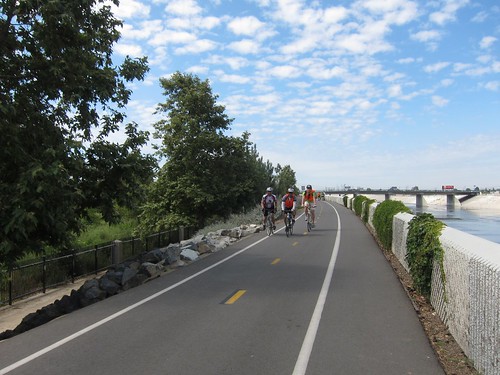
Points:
(344, 198)
(366, 211)
(358, 204)
(422, 249)
(382, 220)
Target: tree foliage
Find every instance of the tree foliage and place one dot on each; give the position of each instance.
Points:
(207, 174)
(61, 98)
(285, 177)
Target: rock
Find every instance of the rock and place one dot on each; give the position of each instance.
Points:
(68, 304)
(151, 270)
(114, 276)
(188, 254)
(110, 286)
(172, 253)
(204, 247)
(154, 256)
(128, 274)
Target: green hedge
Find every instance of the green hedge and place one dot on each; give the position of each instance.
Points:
(366, 211)
(422, 249)
(358, 204)
(382, 220)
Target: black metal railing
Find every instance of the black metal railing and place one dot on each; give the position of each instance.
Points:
(50, 271)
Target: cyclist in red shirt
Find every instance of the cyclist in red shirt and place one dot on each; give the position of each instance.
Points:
(309, 201)
(289, 203)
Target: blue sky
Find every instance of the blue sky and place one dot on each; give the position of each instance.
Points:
(369, 93)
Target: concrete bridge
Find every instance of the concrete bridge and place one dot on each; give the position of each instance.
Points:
(450, 194)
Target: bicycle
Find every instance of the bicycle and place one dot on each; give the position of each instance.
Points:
(269, 224)
(310, 224)
(288, 223)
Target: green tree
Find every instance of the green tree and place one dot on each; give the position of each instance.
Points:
(285, 178)
(61, 98)
(207, 173)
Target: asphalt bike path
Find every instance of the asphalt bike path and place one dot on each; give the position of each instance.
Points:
(319, 302)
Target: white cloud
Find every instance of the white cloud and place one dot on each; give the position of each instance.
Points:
(130, 9)
(426, 36)
(284, 71)
(198, 69)
(394, 91)
(324, 73)
(208, 23)
(448, 12)
(487, 42)
(407, 60)
(183, 7)
(132, 50)
(396, 12)
(394, 77)
(480, 17)
(246, 46)
(235, 63)
(232, 78)
(172, 37)
(492, 85)
(447, 82)
(248, 26)
(436, 67)
(439, 101)
(198, 46)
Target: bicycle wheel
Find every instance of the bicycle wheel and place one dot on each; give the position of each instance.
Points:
(291, 227)
(287, 229)
(309, 224)
(269, 226)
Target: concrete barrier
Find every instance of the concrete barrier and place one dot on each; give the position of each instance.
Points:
(469, 300)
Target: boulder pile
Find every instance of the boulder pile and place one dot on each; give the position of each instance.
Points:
(132, 273)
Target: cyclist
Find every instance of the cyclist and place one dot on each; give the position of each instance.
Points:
(269, 205)
(289, 203)
(309, 202)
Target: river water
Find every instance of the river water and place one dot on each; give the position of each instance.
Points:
(480, 223)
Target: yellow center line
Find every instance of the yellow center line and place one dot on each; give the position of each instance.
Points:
(235, 297)
(295, 243)
(275, 261)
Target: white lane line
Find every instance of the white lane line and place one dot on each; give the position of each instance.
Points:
(312, 330)
(119, 313)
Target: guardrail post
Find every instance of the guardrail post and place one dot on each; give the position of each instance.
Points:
(11, 275)
(44, 281)
(181, 233)
(73, 263)
(117, 252)
(95, 259)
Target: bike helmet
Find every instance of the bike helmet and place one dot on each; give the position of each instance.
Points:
(309, 187)
(269, 189)
(290, 190)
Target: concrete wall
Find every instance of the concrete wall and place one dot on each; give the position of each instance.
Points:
(469, 300)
